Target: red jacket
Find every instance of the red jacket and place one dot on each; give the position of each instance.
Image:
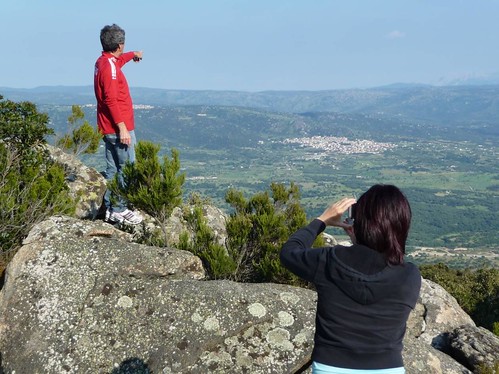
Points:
(114, 103)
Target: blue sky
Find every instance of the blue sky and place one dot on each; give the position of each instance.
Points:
(253, 45)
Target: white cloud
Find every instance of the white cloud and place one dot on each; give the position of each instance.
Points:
(395, 34)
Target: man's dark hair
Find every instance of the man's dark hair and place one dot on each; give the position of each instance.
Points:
(382, 220)
(111, 36)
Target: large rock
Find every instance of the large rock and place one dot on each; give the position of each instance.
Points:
(474, 347)
(436, 313)
(86, 184)
(421, 358)
(81, 297)
(215, 219)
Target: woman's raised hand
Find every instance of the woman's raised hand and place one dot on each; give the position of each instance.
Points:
(332, 216)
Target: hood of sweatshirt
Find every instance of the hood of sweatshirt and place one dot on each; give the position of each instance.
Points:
(362, 273)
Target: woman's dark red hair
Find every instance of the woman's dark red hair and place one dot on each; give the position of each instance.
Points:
(382, 220)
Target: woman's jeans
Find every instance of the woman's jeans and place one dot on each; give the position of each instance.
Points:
(117, 154)
(318, 368)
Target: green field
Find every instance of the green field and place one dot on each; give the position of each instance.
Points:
(453, 193)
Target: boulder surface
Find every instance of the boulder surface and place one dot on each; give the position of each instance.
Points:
(81, 297)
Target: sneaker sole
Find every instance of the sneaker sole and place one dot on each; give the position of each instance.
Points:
(114, 219)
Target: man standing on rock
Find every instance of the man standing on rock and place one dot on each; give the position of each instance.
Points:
(115, 117)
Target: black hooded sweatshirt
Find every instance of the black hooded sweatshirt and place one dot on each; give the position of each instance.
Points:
(363, 303)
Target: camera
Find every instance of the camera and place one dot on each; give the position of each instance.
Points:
(350, 213)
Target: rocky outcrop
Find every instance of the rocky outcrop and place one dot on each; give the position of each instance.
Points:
(436, 315)
(176, 224)
(421, 358)
(474, 346)
(86, 184)
(81, 297)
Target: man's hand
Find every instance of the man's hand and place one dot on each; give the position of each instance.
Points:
(137, 56)
(124, 135)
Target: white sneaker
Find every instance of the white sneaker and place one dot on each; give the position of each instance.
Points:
(108, 215)
(127, 216)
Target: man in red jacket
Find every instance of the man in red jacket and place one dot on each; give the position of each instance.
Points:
(115, 116)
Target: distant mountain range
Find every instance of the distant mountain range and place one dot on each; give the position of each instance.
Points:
(429, 104)
(471, 80)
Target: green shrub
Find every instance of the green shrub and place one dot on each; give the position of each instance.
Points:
(484, 369)
(32, 186)
(150, 185)
(495, 328)
(216, 260)
(257, 229)
(23, 127)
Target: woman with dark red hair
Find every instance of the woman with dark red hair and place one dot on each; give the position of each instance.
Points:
(365, 291)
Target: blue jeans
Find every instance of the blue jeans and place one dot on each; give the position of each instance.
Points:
(318, 368)
(117, 154)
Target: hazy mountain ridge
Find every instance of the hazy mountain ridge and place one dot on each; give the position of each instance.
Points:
(213, 127)
(433, 104)
(409, 110)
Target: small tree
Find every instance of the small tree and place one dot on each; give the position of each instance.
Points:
(32, 186)
(150, 185)
(218, 264)
(23, 127)
(83, 138)
(257, 230)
